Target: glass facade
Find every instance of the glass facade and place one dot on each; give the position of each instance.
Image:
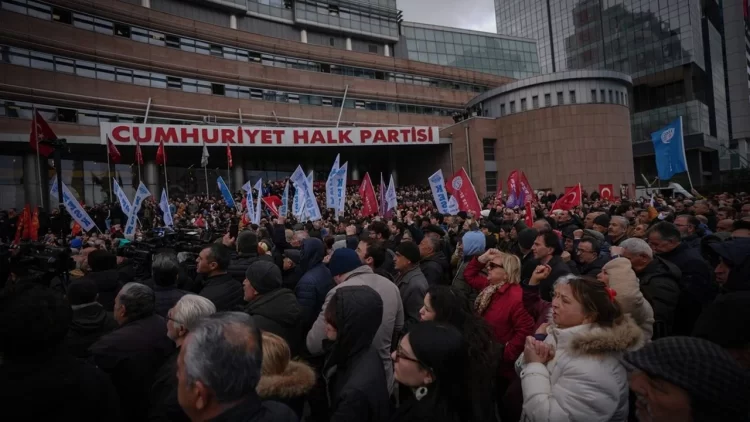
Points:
(482, 52)
(377, 18)
(673, 55)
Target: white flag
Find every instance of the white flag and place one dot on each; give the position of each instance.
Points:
(330, 184)
(204, 157)
(391, 199)
(164, 206)
(259, 188)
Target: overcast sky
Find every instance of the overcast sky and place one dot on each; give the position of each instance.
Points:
(478, 15)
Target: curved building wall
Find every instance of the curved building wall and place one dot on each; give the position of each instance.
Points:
(574, 138)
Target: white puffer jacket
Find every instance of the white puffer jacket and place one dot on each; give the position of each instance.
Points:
(585, 381)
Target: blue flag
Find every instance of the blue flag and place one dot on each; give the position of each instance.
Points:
(669, 148)
(225, 192)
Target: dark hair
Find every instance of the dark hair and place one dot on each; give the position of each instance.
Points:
(220, 255)
(691, 219)
(329, 241)
(164, 269)
(439, 217)
(381, 228)
(375, 250)
(83, 290)
(33, 320)
(101, 260)
(594, 299)
(247, 242)
(595, 245)
(550, 240)
(665, 230)
(731, 212)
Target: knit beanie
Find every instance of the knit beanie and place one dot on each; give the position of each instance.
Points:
(410, 251)
(264, 276)
(602, 220)
(343, 261)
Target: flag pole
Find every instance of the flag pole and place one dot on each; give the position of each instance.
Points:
(109, 174)
(138, 161)
(684, 155)
(166, 182)
(38, 159)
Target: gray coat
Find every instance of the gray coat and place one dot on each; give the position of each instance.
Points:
(392, 322)
(413, 287)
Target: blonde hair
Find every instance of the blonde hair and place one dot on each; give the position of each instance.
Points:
(276, 354)
(512, 267)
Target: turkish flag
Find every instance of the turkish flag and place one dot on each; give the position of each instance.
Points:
(229, 156)
(20, 227)
(138, 154)
(605, 192)
(460, 187)
(35, 225)
(41, 130)
(26, 222)
(161, 154)
(570, 200)
(273, 203)
(114, 153)
(367, 194)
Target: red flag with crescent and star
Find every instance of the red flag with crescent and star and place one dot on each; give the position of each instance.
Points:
(570, 200)
(273, 203)
(114, 153)
(41, 130)
(138, 154)
(161, 154)
(605, 192)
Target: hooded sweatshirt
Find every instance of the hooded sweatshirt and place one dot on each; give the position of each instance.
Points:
(622, 280)
(316, 281)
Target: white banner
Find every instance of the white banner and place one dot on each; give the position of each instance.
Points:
(122, 197)
(164, 206)
(331, 199)
(312, 212)
(437, 184)
(453, 208)
(339, 188)
(298, 203)
(391, 199)
(259, 189)
(260, 136)
(73, 206)
(140, 195)
(284, 210)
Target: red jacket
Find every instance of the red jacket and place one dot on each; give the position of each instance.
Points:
(506, 315)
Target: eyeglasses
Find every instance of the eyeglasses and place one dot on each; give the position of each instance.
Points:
(401, 355)
(491, 266)
(581, 251)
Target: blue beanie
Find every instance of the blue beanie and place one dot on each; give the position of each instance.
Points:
(76, 243)
(474, 243)
(343, 261)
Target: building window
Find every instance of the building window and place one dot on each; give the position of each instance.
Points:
(547, 100)
(502, 109)
(512, 107)
(560, 98)
(122, 30)
(218, 89)
(535, 101)
(332, 42)
(523, 104)
(593, 96)
(174, 82)
(491, 180)
(66, 115)
(172, 41)
(603, 97)
(217, 50)
(489, 149)
(372, 48)
(611, 98)
(62, 15)
(572, 97)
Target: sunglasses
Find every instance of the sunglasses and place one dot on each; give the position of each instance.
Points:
(491, 266)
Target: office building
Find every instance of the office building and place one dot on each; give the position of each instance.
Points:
(673, 50)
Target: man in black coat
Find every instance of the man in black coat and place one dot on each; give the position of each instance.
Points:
(588, 259)
(247, 253)
(103, 271)
(165, 270)
(547, 251)
(696, 284)
(434, 265)
(218, 370)
(220, 288)
(274, 309)
(90, 320)
(182, 318)
(135, 351)
(39, 379)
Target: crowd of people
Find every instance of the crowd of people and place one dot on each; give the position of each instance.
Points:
(611, 311)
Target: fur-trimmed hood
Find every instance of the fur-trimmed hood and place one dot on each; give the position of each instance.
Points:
(594, 339)
(296, 381)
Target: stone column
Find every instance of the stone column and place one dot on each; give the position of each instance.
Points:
(354, 171)
(238, 177)
(303, 36)
(151, 178)
(233, 21)
(348, 44)
(387, 49)
(31, 185)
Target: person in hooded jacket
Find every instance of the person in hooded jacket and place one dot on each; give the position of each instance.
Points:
(274, 308)
(658, 279)
(472, 245)
(733, 270)
(353, 371)
(290, 271)
(283, 379)
(619, 276)
(90, 320)
(313, 286)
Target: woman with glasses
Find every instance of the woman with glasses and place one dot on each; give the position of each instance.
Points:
(500, 304)
(432, 361)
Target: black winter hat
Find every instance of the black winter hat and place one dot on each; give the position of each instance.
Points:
(432, 228)
(264, 276)
(526, 238)
(410, 251)
(82, 291)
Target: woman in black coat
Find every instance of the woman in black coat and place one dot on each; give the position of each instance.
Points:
(353, 371)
